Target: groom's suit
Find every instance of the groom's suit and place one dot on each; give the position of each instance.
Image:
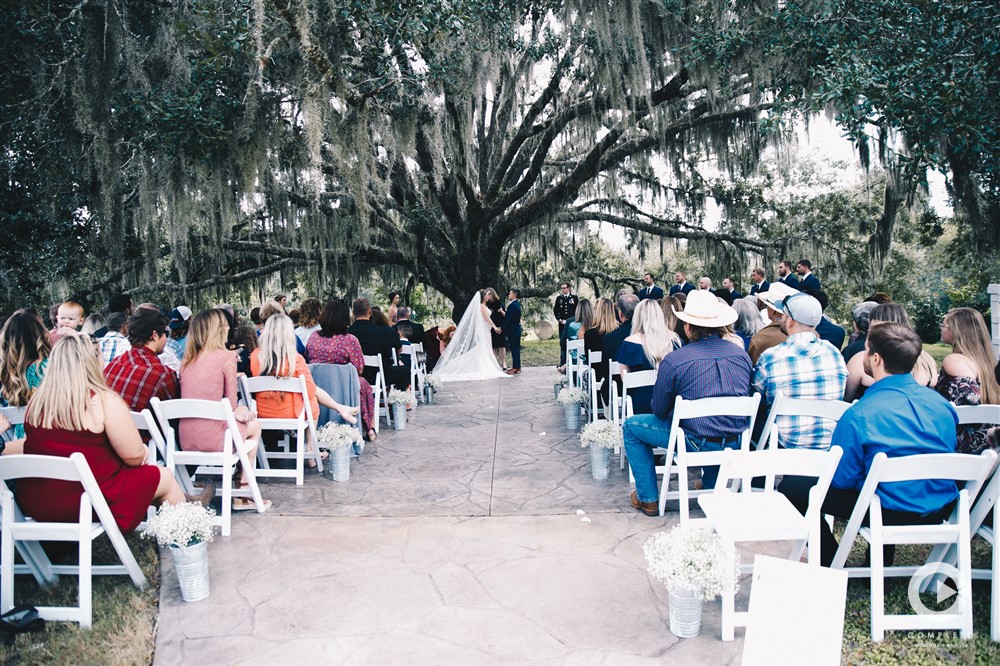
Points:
(511, 328)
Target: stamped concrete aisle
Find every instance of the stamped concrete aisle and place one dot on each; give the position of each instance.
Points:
(474, 536)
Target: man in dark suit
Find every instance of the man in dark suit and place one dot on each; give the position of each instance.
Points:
(759, 281)
(806, 279)
(681, 285)
(511, 328)
(785, 274)
(650, 290)
(612, 342)
(728, 285)
(403, 317)
(827, 329)
(379, 340)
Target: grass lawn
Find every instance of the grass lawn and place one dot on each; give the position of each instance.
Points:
(539, 353)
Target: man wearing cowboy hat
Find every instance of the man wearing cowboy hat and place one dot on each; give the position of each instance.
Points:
(709, 366)
(771, 335)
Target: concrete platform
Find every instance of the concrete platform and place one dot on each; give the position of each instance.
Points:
(474, 536)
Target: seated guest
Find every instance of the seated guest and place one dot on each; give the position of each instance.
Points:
(604, 322)
(860, 317)
(24, 356)
(208, 372)
(114, 343)
(333, 344)
(380, 340)
(749, 321)
(138, 375)
(416, 330)
(276, 357)
(827, 329)
(378, 317)
(69, 319)
(858, 380)
(801, 367)
(648, 343)
(167, 356)
(707, 367)
(772, 334)
(612, 342)
(898, 417)
(309, 313)
(966, 374)
(180, 321)
(92, 324)
(76, 412)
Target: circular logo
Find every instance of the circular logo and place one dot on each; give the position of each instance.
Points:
(945, 589)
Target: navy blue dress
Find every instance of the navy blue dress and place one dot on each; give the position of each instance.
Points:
(632, 356)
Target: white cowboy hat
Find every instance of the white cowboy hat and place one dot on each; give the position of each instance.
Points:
(776, 293)
(703, 308)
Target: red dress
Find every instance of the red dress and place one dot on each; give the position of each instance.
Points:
(341, 350)
(128, 490)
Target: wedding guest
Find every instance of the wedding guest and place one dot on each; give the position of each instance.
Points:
(308, 319)
(644, 348)
(138, 375)
(24, 354)
(92, 324)
(115, 341)
(333, 344)
(69, 319)
(749, 321)
(379, 318)
(858, 380)
(208, 372)
(75, 411)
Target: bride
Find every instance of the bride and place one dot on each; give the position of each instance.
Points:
(469, 355)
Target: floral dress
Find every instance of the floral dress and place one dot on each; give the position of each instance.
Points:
(972, 437)
(341, 350)
(34, 375)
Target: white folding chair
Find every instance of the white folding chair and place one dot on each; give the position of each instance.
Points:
(596, 411)
(630, 382)
(971, 470)
(380, 390)
(302, 425)
(416, 375)
(679, 459)
(144, 422)
(818, 410)
(223, 463)
(16, 529)
(575, 366)
(752, 516)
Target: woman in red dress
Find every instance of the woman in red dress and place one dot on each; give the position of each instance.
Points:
(333, 344)
(74, 410)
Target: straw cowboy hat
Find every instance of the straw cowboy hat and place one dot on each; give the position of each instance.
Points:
(776, 293)
(702, 308)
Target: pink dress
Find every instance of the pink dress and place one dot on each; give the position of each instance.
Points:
(212, 376)
(341, 350)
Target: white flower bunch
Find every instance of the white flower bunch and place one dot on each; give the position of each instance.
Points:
(572, 395)
(690, 558)
(181, 525)
(601, 434)
(434, 382)
(397, 397)
(559, 379)
(336, 435)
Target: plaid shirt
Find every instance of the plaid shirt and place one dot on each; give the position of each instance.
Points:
(803, 366)
(138, 376)
(113, 345)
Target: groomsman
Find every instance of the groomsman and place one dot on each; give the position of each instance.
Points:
(681, 285)
(650, 290)
(786, 275)
(759, 281)
(806, 278)
(511, 328)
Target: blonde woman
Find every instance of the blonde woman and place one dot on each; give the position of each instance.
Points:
(208, 372)
(925, 371)
(967, 376)
(24, 355)
(276, 357)
(649, 342)
(603, 323)
(75, 411)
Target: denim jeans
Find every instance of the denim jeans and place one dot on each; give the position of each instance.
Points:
(644, 432)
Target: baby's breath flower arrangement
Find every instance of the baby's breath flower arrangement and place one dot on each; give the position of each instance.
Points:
(690, 558)
(602, 435)
(336, 435)
(572, 396)
(559, 379)
(181, 525)
(434, 382)
(398, 397)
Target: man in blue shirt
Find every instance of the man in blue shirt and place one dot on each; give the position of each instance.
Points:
(896, 416)
(708, 367)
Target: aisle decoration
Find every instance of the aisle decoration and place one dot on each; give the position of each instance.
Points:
(186, 529)
(601, 437)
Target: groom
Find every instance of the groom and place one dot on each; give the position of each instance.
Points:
(511, 328)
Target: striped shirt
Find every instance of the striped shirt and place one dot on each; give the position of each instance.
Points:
(113, 345)
(138, 376)
(709, 368)
(804, 367)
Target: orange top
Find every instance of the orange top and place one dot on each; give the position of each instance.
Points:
(281, 405)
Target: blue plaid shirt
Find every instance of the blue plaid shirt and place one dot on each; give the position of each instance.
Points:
(113, 345)
(804, 367)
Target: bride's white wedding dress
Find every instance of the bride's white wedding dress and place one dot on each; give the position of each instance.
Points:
(469, 355)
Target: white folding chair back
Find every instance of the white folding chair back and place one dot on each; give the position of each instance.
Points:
(826, 410)
(416, 374)
(596, 411)
(575, 366)
(967, 414)
(16, 528)
(144, 422)
(752, 516)
(222, 463)
(971, 470)
(679, 459)
(379, 390)
(302, 425)
(630, 382)
(614, 397)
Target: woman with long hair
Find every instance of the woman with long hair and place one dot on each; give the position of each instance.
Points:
(276, 357)
(24, 354)
(494, 306)
(648, 344)
(208, 372)
(309, 313)
(924, 372)
(604, 321)
(75, 411)
(967, 376)
(333, 344)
